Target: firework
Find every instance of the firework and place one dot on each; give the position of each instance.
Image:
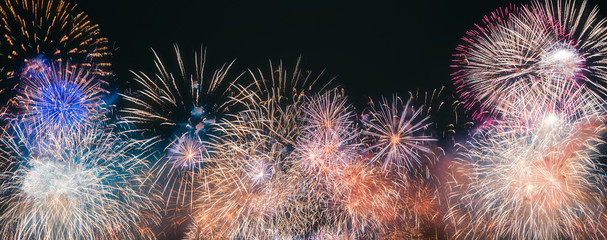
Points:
(328, 113)
(271, 104)
(535, 180)
(273, 109)
(169, 104)
(61, 99)
(331, 234)
(35, 31)
(328, 141)
(563, 104)
(246, 194)
(177, 112)
(420, 207)
(529, 47)
(251, 188)
(368, 200)
(83, 185)
(398, 134)
(579, 53)
(494, 60)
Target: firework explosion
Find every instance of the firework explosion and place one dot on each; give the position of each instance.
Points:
(397, 132)
(177, 112)
(59, 100)
(369, 200)
(524, 48)
(174, 103)
(83, 185)
(533, 174)
(532, 182)
(252, 189)
(279, 154)
(328, 142)
(34, 32)
(247, 194)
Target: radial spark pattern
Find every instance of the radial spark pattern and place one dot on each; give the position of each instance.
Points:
(34, 31)
(398, 134)
(534, 181)
(84, 185)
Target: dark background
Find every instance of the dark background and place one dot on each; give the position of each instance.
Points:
(373, 47)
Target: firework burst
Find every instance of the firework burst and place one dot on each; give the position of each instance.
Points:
(420, 210)
(173, 103)
(368, 201)
(447, 112)
(35, 31)
(328, 141)
(580, 52)
(246, 194)
(271, 104)
(536, 180)
(529, 47)
(177, 111)
(83, 185)
(251, 188)
(62, 99)
(398, 134)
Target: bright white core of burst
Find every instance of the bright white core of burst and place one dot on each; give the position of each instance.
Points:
(563, 60)
(563, 55)
(186, 152)
(56, 180)
(551, 120)
(258, 170)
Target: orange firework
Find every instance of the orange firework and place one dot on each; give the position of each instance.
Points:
(398, 134)
(368, 199)
(35, 31)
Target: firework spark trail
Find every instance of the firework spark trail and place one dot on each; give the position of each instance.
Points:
(528, 47)
(246, 194)
(534, 174)
(418, 209)
(369, 200)
(532, 180)
(360, 199)
(327, 146)
(397, 132)
(84, 185)
(581, 51)
(177, 112)
(251, 189)
(331, 234)
(280, 157)
(328, 141)
(497, 58)
(60, 100)
(34, 31)
(172, 103)
(447, 113)
(270, 105)
(563, 103)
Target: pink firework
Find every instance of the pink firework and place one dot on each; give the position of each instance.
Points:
(522, 49)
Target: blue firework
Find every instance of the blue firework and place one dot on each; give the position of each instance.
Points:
(61, 97)
(62, 104)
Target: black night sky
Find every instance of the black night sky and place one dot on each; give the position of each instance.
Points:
(373, 47)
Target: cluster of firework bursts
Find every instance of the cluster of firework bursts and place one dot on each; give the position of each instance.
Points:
(281, 154)
(537, 72)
